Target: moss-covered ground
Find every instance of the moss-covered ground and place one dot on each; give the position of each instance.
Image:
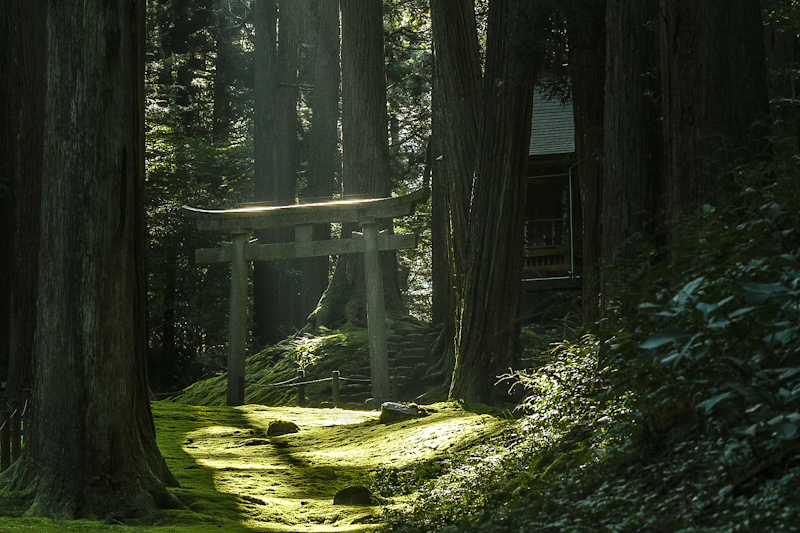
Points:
(234, 477)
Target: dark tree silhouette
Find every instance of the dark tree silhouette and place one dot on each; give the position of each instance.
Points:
(91, 448)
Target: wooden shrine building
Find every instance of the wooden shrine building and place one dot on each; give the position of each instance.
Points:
(553, 221)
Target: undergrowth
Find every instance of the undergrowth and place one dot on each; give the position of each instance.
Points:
(683, 416)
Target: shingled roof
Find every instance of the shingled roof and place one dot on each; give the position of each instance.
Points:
(552, 126)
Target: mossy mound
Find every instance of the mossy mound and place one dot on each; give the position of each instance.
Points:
(267, 372)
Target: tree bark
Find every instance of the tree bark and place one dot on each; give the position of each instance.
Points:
(455, 117)
(488, 341)
(223, 70)
(632, 189)
(366, 172)
(324, 159)
(26, 119)
(6, 173)
(714, 91)
(275, 284)
(586, 34)
(91, 384)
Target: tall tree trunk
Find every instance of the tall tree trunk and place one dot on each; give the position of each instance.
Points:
(488, 341)
(169, 353)
(455, 118)
(365, 147)
(632, 138)
(27, 96)
(223, 69)
(324, 159)
(714, 90)
(6, 183)
(91, 383)
(265, 18)
(275, 284)
(586, 34)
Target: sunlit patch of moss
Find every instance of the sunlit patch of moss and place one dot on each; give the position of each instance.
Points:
(287, 483)
(235, 478)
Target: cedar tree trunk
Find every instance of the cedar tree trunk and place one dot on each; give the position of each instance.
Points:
(324, 159)
(365, 147)
(714, 90)
(586, 34)
(632, 138)
(488, 341)
(275, 283)
(27, 62)
(455, 118)
(91, 450)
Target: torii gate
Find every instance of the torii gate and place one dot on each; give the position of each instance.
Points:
(242, 221)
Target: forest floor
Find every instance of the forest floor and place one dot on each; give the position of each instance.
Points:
(236, 478)
(288, 482)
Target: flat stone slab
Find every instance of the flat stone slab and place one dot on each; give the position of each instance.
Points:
(396, 412)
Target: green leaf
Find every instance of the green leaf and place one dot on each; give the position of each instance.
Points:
(760, 292)
(788, 372)
(687, 290)
(714, 400)
(787, 430)
(739, 312)
(750, 431)
(663, 337)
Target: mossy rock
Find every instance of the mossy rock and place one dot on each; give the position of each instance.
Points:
(277, 428)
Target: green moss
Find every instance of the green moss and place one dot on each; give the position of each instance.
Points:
(345, 350)
(235, 478)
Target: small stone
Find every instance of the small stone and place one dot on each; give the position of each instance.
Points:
(355, 495)
(281, 427)
(395, 412)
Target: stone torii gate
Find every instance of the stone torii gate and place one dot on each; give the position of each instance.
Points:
(242, 221)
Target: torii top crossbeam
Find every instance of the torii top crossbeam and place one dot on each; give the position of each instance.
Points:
(262, 217)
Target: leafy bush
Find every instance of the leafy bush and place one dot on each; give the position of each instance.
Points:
(682, 417)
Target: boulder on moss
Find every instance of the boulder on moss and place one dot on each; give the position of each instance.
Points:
(396, 412)
(281, 427)
(355, 495)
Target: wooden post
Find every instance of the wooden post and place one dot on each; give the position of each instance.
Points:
(237, 324)
(16, 429)
(376, 313)
(301, 388)
(335, 387)
(5, 440)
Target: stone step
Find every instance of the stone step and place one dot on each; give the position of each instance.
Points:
(355, 397)
(354, 388)
(414, 352)
(437, 378)
(410, 360)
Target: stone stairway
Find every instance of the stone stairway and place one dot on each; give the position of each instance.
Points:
(409, 358)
